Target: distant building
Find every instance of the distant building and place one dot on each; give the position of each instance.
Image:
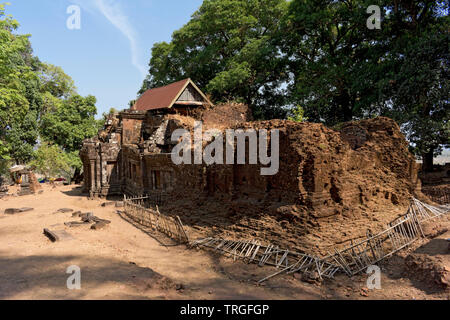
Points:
(179, 97)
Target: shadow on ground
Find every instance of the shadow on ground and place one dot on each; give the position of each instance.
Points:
(45, 277)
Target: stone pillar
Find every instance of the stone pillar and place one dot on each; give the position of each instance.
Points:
(143, 172)
(92, 176)
(99, 174)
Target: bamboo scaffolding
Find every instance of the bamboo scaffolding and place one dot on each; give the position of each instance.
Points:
(172, 227)
(352, 260)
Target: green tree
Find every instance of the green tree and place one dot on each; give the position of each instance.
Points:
(415, 90)
(344, 71)
(52, 161)
(55, 81)
(327, 45)
(227, 49)
(298, 115)
(22, 138)
(70, 122)
(19, 91)
(38, 101)
(4, 158)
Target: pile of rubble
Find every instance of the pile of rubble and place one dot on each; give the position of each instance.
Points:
(331, 187)
(85, 219)
(332, 184)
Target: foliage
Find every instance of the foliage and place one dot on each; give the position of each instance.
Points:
(68, 124)
(418, 86)
(19, 91)
(227, 48)
(38, 101)
(55, 81)
(4, 158)
(344, 71)
(298, 115)
(327, 46)
(52, 161)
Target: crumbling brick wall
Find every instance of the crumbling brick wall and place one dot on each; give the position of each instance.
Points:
(332, 185)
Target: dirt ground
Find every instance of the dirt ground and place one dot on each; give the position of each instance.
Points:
(123, 261)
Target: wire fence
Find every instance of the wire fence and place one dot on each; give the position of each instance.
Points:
(352, 260)
(135, 209)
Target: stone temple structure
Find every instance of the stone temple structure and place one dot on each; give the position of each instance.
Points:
(329, 171)
(332, 184)
(132, 154)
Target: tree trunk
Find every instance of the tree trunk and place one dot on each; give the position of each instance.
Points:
(427, 159)
(77, 176)
(348, 114)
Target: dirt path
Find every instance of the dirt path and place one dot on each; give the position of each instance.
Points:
(119, 262)
(123, 262)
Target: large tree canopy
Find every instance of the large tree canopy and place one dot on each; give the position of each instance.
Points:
(342, 70)
(228, 49)
(38, 103)
(69, 123)
(320, 57)
(19, 92)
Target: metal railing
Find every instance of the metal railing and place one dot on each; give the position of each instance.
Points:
(252, 251)
(135, 209)
(352, 260)
(400, 234)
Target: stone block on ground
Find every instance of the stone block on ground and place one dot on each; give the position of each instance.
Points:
(97, 220)
(17, 210)
(76, 214)
(107, 204)
(12, 211)
(88, 217)
(72, 224)
(99, 225)
(120, 204)
(57, 235)
(51, 235)
(65, 210)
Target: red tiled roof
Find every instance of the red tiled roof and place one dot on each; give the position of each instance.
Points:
(163, 97)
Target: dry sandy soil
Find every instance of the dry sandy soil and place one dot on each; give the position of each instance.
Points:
(123, 261)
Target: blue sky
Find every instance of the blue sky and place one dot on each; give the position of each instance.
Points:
(108, 57)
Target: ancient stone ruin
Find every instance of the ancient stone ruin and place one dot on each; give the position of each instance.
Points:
(25, 177)
(331, 187)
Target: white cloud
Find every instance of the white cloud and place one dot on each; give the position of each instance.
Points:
(113, 12)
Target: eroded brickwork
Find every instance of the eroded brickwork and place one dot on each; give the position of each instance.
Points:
(332, 185)
(132, 153)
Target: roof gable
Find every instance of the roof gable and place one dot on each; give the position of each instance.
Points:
(165, 97)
